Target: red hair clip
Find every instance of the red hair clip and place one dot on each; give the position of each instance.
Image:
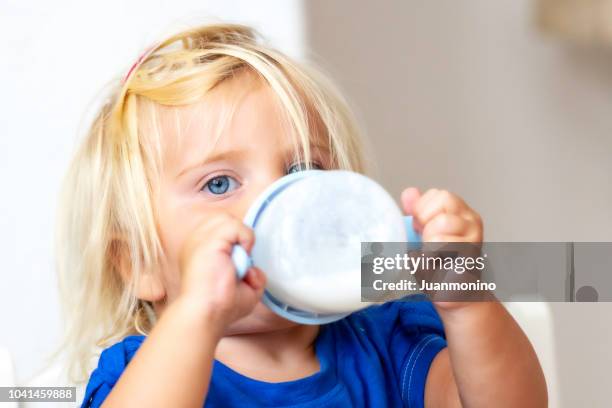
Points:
(140, 59)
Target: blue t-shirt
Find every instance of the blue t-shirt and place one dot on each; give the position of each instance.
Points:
(377, 357)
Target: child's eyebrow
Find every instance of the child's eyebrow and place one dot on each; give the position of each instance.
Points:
(223, 155)
(236, 154)
(317, 148)
(318, 152)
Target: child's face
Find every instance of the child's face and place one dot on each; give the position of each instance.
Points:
(201, 177)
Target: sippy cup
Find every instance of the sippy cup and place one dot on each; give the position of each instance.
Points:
(309, 227)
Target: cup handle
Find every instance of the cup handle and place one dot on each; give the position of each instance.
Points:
(413, 238)
(242, 261)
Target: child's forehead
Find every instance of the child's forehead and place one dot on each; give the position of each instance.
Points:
(239, 114)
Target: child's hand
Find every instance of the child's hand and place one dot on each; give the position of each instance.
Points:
(441, 216)
(208, 276)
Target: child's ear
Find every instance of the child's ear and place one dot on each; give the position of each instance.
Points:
(150, 286)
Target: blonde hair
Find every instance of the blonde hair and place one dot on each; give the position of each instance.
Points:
(107, 215)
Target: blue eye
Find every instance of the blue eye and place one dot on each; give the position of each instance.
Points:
(220, 185)
(301, 166)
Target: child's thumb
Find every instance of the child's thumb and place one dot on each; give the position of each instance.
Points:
(409, 198)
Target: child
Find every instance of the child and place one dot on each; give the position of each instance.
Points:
(200, 125)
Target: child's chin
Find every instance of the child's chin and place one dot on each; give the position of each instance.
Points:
(260, 320)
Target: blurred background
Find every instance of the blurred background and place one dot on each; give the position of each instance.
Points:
(506, 103)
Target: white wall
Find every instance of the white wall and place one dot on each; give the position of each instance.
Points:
(468, 96)
(56, 55)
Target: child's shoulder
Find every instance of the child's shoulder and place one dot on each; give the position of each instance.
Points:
(120, 353)
(111, 364)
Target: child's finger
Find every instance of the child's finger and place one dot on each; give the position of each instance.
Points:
(250, 289)
(255, 278)
(426, 197)
(445, 224)
(418, 205)
(446, 238)
(232, 231)
(440, 202)
(409, 198)
(422, 203)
